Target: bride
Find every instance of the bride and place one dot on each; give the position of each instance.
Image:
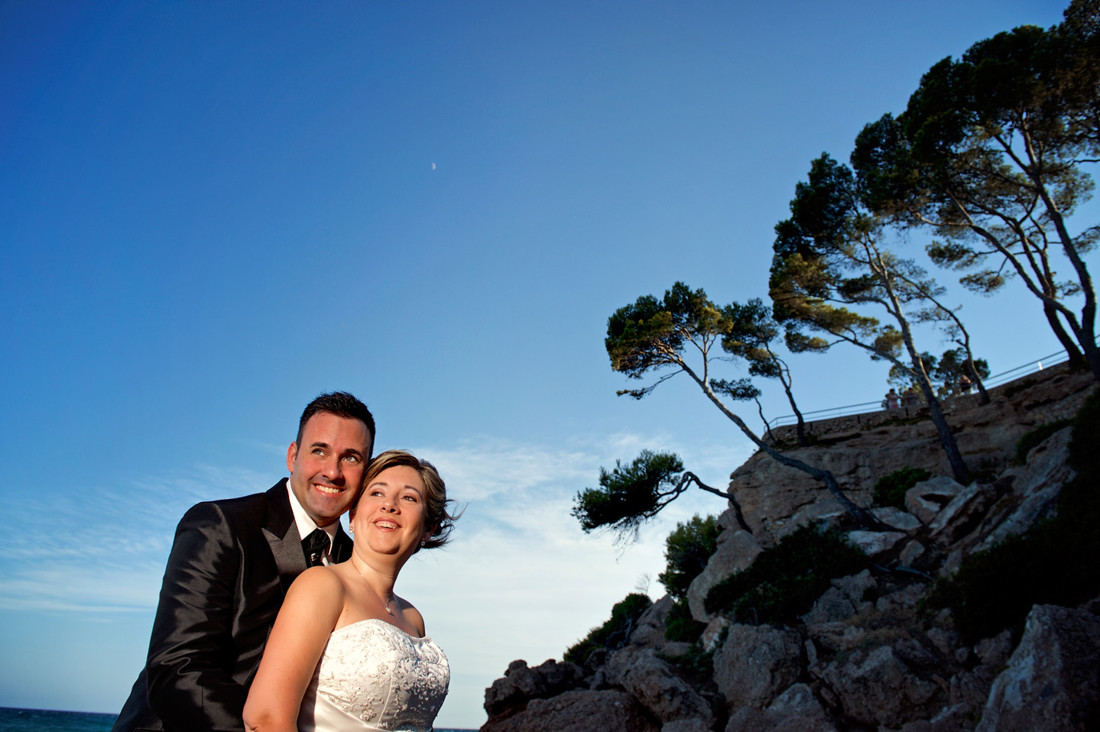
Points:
(347, 654)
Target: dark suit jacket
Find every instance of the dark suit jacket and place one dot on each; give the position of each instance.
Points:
(231, 564)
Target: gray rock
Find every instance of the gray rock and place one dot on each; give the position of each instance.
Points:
(578, 711)
(916, 655)
(1036, 486)
(1053, 677)
(756, 663)
(962, 515)
(952, 563)
(927, 498)
(713, 633)
(855, 586)
(842, 600)
(951, 719)
(654, 683)
(737, 549)
(913, 551)
(873, 543)
(521, 684)
(901, 600)
(945, 640)
(995, 651)
(825, 515)
(831, 607)
(836, 637)
(649, 631)
(900, 520)
(875, 687)
(795, 710)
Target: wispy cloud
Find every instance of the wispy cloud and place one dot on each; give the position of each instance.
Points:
(476, 469)
(107, 545)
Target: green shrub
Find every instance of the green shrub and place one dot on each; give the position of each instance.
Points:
(1025, 444)
(680, 626)
(890, 489)
(785, 580)
(1054, 562)
(687, 550)
(614, 633)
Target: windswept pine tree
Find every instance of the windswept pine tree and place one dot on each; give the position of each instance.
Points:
(991, 155)
(831, 256)
(631, 494)
(679, 334)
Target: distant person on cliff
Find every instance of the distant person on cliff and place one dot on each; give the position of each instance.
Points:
(965, 384)
(229, 569)
(891, 399)
(347, 654)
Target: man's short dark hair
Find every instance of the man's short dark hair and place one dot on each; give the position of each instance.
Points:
(341, 404)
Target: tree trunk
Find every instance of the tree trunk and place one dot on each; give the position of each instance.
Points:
(1077, 360)
(862, 517)
(689, 476)
(935, 410)
(977, 379)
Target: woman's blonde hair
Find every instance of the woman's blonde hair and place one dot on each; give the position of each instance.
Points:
(439, 520)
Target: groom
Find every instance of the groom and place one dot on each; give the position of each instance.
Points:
(229, 569)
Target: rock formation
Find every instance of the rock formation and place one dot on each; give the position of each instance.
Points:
(863, 657)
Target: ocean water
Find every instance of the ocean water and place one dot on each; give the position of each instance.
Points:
(45, 720)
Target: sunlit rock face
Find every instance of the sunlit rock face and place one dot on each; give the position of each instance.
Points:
(860, 449)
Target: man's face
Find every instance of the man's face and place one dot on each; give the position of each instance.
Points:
(326, 469)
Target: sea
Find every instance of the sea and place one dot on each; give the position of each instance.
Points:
(47, 720)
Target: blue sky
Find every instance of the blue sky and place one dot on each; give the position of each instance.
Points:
(212, 212)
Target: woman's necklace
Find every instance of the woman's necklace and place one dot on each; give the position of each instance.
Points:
(392, 599)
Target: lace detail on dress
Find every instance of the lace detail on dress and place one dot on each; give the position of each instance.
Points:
(378, 675)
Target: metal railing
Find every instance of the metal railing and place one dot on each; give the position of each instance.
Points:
(866, 407)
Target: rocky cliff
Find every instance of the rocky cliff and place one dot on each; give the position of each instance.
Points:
(866, 655)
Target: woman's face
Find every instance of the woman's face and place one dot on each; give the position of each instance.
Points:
(391, 515)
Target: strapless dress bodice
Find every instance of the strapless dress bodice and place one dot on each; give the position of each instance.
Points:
(374, 676)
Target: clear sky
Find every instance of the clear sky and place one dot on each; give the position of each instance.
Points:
(212, 212)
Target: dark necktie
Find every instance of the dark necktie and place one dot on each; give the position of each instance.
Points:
(314, 546)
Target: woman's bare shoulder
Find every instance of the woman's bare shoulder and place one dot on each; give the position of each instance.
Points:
(317, 586)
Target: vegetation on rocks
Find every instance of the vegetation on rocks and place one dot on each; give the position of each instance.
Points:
(890, 489)
(614, 633)
(687, 550)
(785, 580)
(1035, 437)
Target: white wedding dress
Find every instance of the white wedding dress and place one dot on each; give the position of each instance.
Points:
(374, 676)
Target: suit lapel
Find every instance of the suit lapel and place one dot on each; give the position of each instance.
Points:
(282, 535)
(341, 546)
